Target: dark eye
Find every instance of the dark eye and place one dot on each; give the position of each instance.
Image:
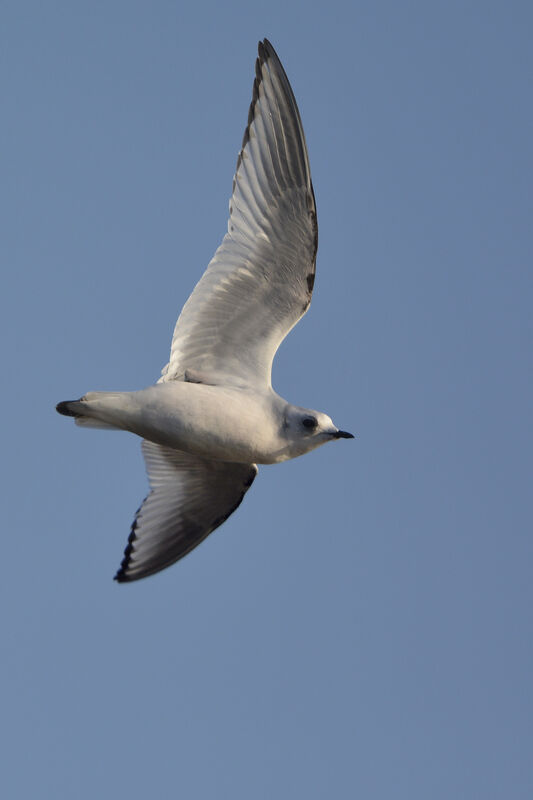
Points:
(310, 423)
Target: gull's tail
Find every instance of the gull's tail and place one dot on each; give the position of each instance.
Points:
(85, 410)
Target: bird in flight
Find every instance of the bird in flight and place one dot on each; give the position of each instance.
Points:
(213, 414)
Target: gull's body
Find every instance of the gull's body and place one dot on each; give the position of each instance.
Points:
(221, 422)
(213, 415)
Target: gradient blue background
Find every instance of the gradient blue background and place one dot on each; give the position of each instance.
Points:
(362, 626)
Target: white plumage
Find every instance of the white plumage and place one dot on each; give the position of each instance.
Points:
(213, 413)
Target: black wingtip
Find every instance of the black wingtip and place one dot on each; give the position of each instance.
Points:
(266, 47)
(122, 572)
(266, 51)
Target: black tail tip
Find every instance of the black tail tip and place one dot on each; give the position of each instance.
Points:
(64, 408)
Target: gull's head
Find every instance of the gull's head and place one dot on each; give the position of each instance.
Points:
(308, 429)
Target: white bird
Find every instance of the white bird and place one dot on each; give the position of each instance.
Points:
(213, 415)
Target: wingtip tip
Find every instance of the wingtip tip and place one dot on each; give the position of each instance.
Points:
(265, 49)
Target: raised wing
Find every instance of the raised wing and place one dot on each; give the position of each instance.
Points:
(189, 498)
(260, 280)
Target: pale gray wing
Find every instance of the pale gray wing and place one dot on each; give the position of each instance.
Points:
(260, 280)
(189, 498)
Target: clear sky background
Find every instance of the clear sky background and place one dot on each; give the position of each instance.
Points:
(362, 626)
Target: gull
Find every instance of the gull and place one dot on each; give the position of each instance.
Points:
(213, 414)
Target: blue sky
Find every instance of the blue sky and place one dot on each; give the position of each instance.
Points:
(362, 626)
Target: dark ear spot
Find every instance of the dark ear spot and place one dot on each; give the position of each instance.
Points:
(310, 281)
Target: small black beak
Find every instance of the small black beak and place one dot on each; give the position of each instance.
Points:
(343, 435)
